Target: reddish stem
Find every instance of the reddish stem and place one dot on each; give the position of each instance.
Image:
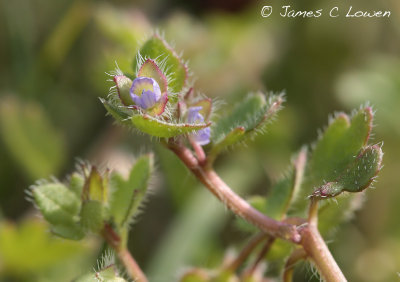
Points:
(234, 202)
(131, 266)
(308, 235)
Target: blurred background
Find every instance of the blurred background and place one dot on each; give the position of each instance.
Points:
(54, 57)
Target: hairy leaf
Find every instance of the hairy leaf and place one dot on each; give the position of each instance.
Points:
(251, 115)
(117, 112)
(92, 216)
(127, 194)
(158, 49)
(285, 191)
(334, 153)
(340, 143)
(72, 231)
(76, 183)
(358, 175)
(159, 128)
(123, 85)
(95, 187)
(57, 203)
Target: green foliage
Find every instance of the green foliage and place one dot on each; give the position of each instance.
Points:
(338, 146)
(249, 116)
(122, 115)
(28, 248)
(123, 85)
(92, 216)
(286, 189)
(76, 183)
(127, 194)
(95, 187)
(159, 128)
(357, 177)
(30, 137)
(91, 199)
(57, 203)
(158, 49)
(336, 152)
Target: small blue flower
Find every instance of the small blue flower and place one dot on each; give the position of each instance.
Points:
(202, 136)
(145, 92)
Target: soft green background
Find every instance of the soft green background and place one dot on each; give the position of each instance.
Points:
(54, 55)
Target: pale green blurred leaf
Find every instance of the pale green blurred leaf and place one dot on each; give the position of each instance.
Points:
(30, 137)
(29, 250)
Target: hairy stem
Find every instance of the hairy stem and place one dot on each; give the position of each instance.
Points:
(313, 212)
(234, 202)
(318, 252)
(131, 266)
(308, 235)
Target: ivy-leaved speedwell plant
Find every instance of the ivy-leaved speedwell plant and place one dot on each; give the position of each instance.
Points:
(157, 99)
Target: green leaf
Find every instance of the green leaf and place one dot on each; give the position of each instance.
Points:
(157, 49)
(92, 216)
(123, 85)
(159, 128)
(250, 116)
(30, 138)
(285, 190)
(28, 248)
(57, 203)
(336, 149)
(76, 183)
(117, 111)
(332, 155)
(358, 175)
(233, 137)
(95, 187)
(127, 195)
(338, 146)
(71, 231)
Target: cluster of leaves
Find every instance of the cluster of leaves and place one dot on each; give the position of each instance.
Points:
(89, 200)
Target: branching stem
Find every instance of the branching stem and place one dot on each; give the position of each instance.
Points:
(318, 252)
(306, 235)
(234, 202)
